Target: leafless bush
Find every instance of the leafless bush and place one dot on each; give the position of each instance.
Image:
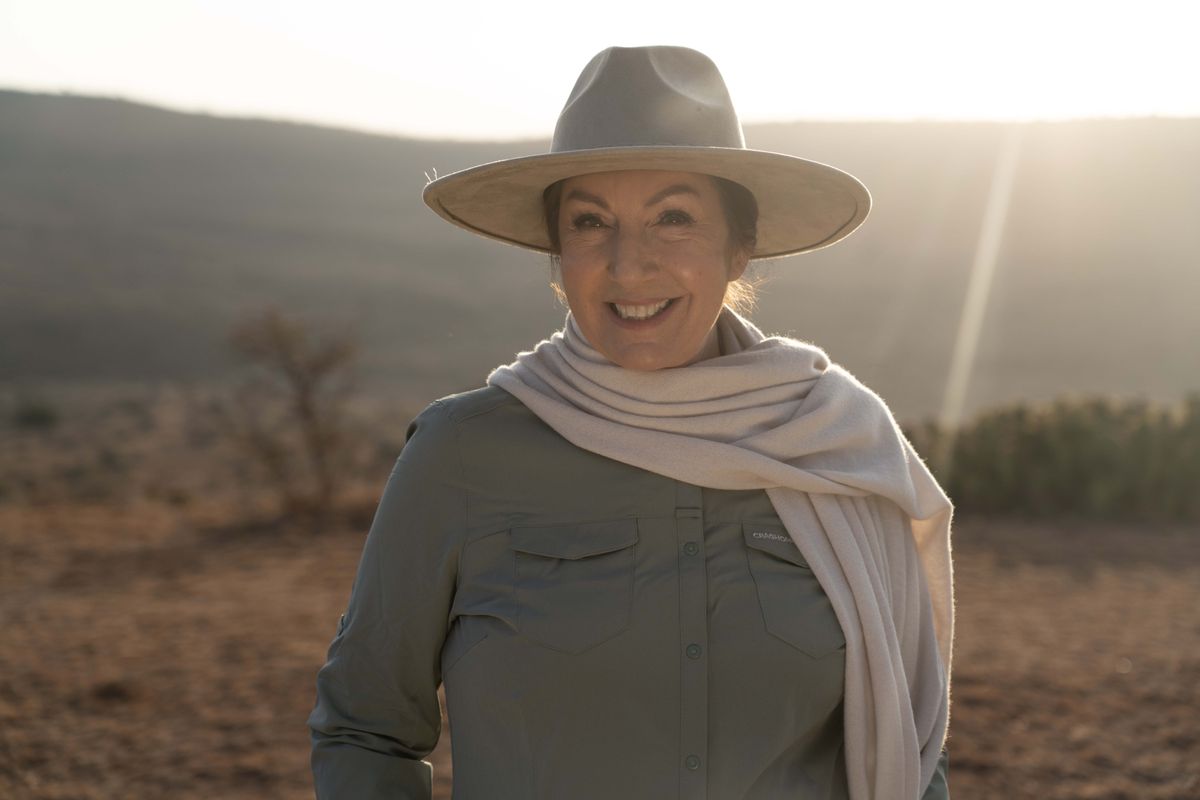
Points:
(288, 415)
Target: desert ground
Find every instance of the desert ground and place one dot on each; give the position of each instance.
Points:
(142, 659)
(163, 644)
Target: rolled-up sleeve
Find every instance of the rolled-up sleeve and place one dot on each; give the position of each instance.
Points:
(377, 712)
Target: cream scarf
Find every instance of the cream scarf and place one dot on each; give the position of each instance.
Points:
(776, 414)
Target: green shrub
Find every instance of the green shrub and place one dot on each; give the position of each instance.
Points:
(1093, 458)
(34, 414)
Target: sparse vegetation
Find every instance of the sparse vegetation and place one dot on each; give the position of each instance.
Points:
(130, 562)
(34, 414)
(283, 439)
(1092, 458)
(288, 414)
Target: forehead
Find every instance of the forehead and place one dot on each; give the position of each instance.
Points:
(635, 183)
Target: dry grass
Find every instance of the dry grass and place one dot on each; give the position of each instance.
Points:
(154, 647)
(142, 658)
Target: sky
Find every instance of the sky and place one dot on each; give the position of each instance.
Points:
(497, 70)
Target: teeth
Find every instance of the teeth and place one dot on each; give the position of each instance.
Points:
(640, 312)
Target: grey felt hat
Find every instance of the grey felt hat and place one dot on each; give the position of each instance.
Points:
(654, 108)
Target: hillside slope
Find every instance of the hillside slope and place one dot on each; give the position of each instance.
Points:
(131, 236)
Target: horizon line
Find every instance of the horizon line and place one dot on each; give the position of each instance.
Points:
(540, 137)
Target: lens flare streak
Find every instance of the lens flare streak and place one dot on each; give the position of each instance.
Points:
(979, 288)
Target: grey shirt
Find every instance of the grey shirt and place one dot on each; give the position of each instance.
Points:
(602, 632)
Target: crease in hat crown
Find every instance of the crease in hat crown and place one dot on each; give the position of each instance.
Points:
(691, 107)
(654, 108)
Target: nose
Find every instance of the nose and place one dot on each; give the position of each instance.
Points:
(631, 259)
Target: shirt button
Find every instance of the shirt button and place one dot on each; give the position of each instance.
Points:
(692, 762)
(693, 651)
(691, 548)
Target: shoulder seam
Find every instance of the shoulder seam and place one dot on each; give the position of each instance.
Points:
(504, 399)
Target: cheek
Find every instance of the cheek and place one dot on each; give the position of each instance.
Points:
(576, 283)
(709, 281)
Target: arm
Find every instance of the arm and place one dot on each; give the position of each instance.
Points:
(939, 787)
(377, 712)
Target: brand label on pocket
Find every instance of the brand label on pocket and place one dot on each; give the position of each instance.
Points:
(773, 536)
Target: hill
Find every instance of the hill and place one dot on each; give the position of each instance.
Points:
(132, 236)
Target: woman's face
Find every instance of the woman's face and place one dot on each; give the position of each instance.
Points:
(646, 257)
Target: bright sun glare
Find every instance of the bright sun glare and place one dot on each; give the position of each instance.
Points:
(498, 70)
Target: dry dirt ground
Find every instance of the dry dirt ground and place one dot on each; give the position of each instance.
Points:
(146, 653)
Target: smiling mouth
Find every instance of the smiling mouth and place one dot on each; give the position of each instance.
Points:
(639, 312)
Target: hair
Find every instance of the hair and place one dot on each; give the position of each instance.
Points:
(741, 215)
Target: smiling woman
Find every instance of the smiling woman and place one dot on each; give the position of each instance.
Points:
(741, 216)
(593, 551)
(646, 258)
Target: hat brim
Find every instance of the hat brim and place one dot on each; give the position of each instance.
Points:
(803, 205)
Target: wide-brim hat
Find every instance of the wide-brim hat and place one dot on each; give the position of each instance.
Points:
(654, 108)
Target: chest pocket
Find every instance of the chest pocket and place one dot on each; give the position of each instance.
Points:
(573, 584)
(794, 606)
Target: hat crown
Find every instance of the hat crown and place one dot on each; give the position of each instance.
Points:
(648, 96)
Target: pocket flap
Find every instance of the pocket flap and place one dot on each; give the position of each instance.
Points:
(575, 541)
(773, 539)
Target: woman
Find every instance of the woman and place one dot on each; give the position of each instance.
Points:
(660, 555)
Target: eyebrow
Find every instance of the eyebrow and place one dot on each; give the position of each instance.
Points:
(678, 188)
(588, 197)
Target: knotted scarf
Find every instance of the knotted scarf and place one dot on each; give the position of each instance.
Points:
(775, 413)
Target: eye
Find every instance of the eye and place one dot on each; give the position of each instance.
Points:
(675, 217)
(587, 221)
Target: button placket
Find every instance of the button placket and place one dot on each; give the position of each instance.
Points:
(693, 636)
